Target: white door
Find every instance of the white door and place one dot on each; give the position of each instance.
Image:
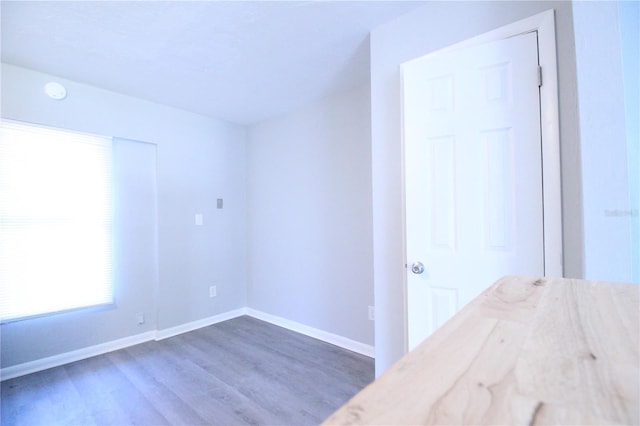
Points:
(473, 175)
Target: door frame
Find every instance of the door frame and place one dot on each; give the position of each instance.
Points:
(544, 24)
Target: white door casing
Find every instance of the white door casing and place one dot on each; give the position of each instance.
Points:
(473, 172)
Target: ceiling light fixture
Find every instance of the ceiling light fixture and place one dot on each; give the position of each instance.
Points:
(55, 91)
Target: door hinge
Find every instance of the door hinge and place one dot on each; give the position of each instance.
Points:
(539, 76)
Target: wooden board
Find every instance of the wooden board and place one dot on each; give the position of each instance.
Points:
(526, 351)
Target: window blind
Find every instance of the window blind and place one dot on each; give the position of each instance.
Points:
(56, 220)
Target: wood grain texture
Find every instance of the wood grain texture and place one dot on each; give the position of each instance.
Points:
(238, 372)
(526, 351)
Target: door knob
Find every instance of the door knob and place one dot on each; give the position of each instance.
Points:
(417, 267)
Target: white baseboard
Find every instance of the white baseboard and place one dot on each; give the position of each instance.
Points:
(73, 356)
(194, 325)
(334, 339)
(102, 348)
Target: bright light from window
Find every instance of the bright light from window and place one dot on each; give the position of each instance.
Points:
(56, 220)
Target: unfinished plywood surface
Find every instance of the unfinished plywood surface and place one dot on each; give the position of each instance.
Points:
(526, 351)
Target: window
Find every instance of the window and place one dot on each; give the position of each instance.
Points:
(56, 220)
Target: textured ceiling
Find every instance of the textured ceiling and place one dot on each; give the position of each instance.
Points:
(241, 61)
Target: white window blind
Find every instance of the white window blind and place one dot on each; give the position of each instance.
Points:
(56, 220)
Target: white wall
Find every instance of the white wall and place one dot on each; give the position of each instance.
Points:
(603, 142)
(310, 220)
(425, 30)
(199, 159)
(629, 23)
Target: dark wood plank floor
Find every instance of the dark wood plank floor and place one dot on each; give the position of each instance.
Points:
(238, 372)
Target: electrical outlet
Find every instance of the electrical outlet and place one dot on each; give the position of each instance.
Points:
(213, 291)
(372, 313)
(140, 317)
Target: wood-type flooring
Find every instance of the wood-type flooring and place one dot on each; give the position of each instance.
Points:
(239, 372)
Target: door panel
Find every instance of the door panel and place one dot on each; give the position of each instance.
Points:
(498, 202)
(473, 175)
(441, 206)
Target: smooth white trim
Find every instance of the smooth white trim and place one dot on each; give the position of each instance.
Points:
(194, 325)
(73, 356)
(102, 348)
(544, 24)
(327, 337)
(550, 126)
